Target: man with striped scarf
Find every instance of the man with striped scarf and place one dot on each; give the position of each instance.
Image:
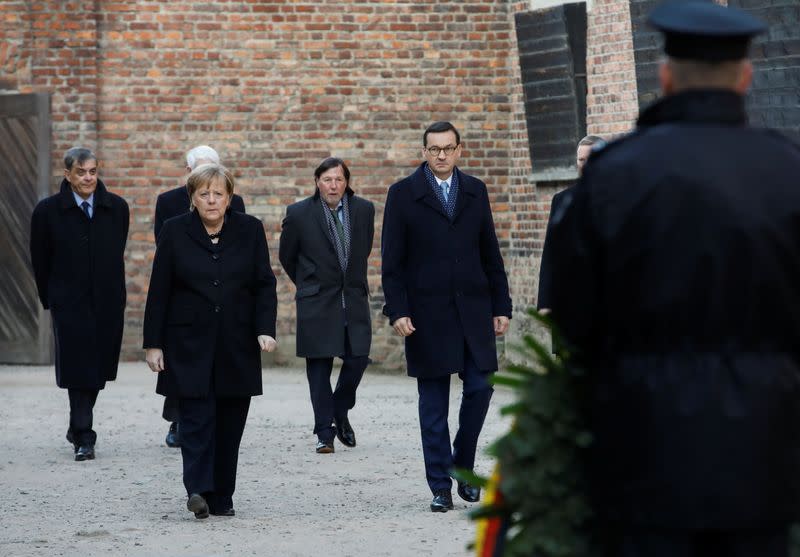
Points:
(325, 243)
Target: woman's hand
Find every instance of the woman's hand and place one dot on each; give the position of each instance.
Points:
(155, 359)
(267, 343)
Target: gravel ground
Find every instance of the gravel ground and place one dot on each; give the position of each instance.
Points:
(370, 500)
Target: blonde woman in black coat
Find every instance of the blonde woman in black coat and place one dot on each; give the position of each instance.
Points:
(211, 309)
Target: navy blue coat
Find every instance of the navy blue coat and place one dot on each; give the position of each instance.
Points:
(176, 202)
(545, 267)
(207, 304)
(79, 265)
(676, 273)
(447, 276)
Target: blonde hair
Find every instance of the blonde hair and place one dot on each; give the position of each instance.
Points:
(205, 175)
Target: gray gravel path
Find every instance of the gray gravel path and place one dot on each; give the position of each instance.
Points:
(371, 500)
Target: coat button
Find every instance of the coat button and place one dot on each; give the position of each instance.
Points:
(215, 283)
(217, 309)
(215, 257)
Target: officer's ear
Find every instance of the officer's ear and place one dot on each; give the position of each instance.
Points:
(666, 78)
(745, 77)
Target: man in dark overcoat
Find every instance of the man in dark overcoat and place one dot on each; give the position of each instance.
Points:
(446, 293)
(171, 204)
(77, 248)
(324, 248)
(676, 279)
(582, 153)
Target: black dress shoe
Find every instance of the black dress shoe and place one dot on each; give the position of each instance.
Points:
(325, 447)
(197, 504)
(173, 436)
(84, 452)
(344, 431)
(223, 512)
(442, 501)
(468, 492)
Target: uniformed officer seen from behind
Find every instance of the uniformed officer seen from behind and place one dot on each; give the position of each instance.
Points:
(676, 278)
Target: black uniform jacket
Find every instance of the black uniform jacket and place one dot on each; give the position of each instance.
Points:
(176, 202)
(207, 304)
(677, 276)
(79, 265)
(447, 276)
(310, 260)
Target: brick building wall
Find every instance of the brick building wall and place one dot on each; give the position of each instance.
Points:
(275, 86)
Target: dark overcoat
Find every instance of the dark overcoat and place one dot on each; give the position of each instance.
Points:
(446, 275)
(207, 304)
(545, 266)
(677, 277)
(79, 265)
(309, 258)
(176, 202)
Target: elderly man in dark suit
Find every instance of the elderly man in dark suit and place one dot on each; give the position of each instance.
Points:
(324, 247)
(447, 294)
(77, 248)
(171, 204)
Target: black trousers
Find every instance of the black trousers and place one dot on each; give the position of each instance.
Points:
(434, 402)
(170, 411)
(327, 403)
(652, 542)
(81, 416)
(211, 430)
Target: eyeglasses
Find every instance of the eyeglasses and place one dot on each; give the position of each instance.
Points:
(434, 151)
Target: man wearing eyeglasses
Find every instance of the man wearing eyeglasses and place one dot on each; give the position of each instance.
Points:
(446, 294)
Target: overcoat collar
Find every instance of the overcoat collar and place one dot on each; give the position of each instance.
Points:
(718, 106)
(421, 191)
(67, 200)
(231, 231)
(316, 200)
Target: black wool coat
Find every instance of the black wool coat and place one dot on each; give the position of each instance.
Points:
(79, 266)
(676, 275)
(545, 267)
(447, 276)
(176, 202)
(207, 304)
(309, 258)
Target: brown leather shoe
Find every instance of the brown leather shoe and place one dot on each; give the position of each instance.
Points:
(325, 447)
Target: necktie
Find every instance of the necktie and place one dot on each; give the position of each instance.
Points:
(85, 206)
(339, 227)
(445, 190)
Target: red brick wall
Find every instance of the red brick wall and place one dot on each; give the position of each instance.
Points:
(612, 101)
(275, 86)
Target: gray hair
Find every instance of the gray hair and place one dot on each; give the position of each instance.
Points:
(79, 155)
(201, 152)
(592, 140)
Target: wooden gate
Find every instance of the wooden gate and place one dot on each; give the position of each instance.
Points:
(25, 334)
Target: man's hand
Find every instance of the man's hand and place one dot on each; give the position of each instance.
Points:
(155, 359)
(403, 326)
(500, 325)
(267, 343)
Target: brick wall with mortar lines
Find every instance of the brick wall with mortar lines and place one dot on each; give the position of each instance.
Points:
(275, 87)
